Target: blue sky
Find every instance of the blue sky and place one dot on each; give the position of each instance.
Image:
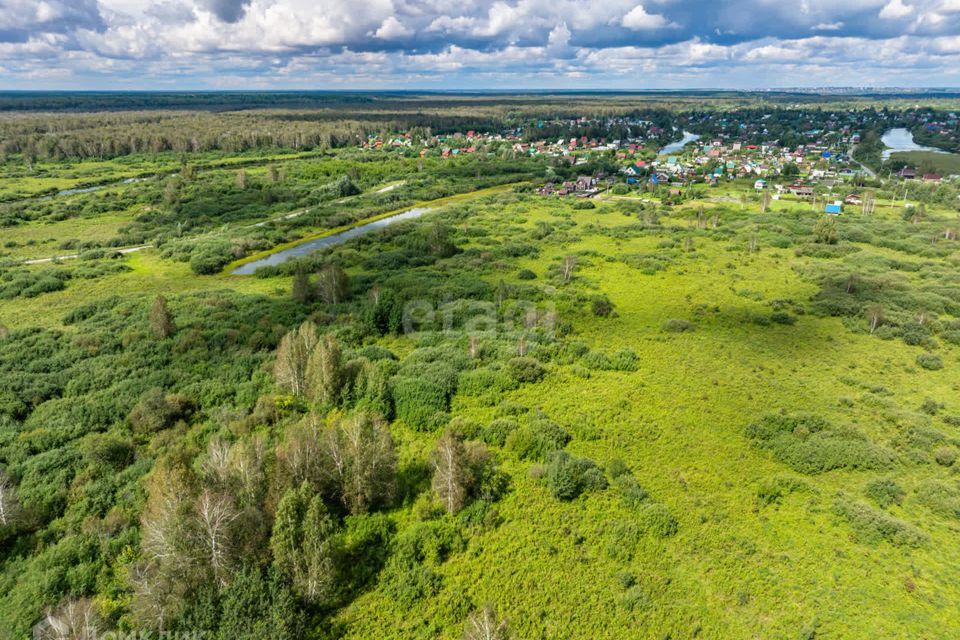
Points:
(466, 44)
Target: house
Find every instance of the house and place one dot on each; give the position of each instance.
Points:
(760, 185)
(931, 177)
(834, 209)
(907, 173)
(585, 183)
(853, 199)
(802, 191)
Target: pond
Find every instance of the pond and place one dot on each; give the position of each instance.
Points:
(897, 140)
(673, 147)
(311, 246)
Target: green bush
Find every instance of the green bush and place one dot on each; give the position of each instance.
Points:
(526, 370)
(598, 361)
(871, 526)
(884, 492)
(782, 317)
(930, 361)
(418, 400)
(526, 274)
(630, 491)
(676, 325)
(772, 490)
(601, 306)
(535, 441)
(478, 382)
(945, 456)
(497, 432)
(657, 520)
(625, 360)
(940, 497)
(567, 477)
(812, 445)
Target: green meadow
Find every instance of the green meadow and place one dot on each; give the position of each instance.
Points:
(792, 472)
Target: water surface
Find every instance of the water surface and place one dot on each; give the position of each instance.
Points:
(673, 147)
(898, 140)
(327, 241)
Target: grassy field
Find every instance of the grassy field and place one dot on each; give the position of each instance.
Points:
(945, 164)
(764, 547)
(736, 568)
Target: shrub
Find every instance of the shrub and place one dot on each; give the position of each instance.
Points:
(930, 361)
(417, 400)
(537, 440)
(526, 370)
(616, 467)
(945, 456)
(940, 497)
(601, 306)
(583, 204)
(478, 382)
(157, 411)
(872, 526)
(209, 261)
(598, 361)
(772, 490)
(630, 491)
(675, 325)
(782, 317)
(567, 477)
(812, 445)
(657, 520)
(409, 574)
(526, 274)
(625, 360)
(497, 432)
(884, 492)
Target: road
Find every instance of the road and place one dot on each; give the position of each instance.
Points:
(870, 172)
(74, 256)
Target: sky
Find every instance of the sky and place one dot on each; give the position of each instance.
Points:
(468, 44)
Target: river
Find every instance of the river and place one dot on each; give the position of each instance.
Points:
(898, 140)
(310, 246)
(673, 147)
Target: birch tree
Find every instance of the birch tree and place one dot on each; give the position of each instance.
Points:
(451, 474)
(484, 625)
(9, 506)
(360, 462)
(293, 353)
(215, 514)
(325, 374)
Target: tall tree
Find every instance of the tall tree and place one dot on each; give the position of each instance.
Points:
(72, 620)
(215, 514)
(161, 319)
(302, 290)
(9, 507)
(325, 372)
(451, 473)
(293, 353)
(360, 462)
(303, 545)
(333, 284)
(484, 625)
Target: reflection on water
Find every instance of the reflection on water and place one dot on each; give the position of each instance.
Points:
(898, 140)
(327, 241)
(673, 147)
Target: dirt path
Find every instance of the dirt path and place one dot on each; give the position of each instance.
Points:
(74, 256)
